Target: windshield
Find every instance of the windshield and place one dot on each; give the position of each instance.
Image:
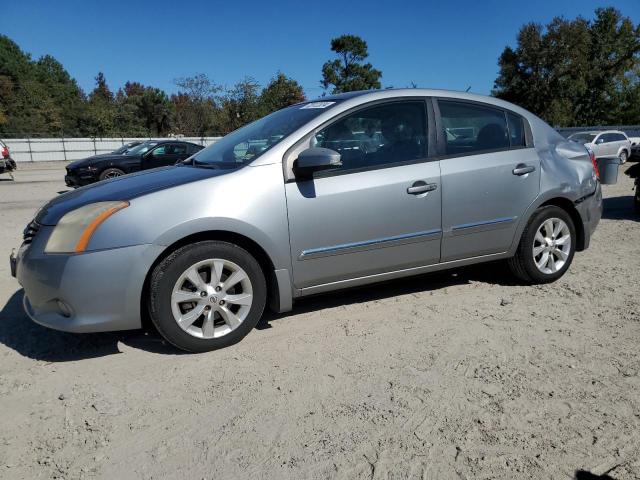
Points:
(582, 137)
(142, 148)
(120, 150)
(249, 142)
(125, 147)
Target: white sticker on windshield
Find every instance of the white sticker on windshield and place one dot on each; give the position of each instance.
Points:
(317, 105)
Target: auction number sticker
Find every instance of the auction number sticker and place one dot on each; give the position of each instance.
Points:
(317, 105)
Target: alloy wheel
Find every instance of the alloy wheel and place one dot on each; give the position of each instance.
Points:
(551, 245)
(623, 157)
(211, 298)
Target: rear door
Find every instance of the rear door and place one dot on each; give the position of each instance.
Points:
(490, 175)
(621, 143)
(609, 145)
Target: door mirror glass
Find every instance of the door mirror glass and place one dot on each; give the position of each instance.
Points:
(599, 141)
(316, 159)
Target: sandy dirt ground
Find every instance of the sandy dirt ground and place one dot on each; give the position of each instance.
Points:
(461, 374)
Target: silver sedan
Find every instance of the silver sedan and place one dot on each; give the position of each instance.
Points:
(328, 194)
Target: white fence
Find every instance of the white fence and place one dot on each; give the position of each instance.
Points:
(68, 149)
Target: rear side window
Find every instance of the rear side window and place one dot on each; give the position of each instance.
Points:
(379, 135)
(516, 130)
(470, 128)
(619, 137)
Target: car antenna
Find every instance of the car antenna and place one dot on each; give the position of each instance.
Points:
(468, 88)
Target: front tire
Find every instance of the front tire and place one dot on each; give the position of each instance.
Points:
(546, 247)
(111, 173)
(206, 296)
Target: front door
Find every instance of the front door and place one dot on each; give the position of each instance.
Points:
(163, 155)
(380, 211)
(490, 176)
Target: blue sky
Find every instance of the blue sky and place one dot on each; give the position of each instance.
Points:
(439, 44)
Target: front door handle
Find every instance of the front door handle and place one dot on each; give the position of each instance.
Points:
(421, 187)
(522, 169)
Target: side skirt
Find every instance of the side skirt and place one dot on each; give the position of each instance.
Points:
(380, 277)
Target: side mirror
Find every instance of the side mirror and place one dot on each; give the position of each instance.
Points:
(599, 141)
(316, 159)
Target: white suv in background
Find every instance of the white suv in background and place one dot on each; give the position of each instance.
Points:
(607, 144)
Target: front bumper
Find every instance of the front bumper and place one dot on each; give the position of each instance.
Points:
(79, 178)
(90, 292)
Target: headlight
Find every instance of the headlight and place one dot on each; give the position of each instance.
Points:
(74, 230)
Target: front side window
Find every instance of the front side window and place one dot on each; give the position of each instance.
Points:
(176, 149)
(470, 128)
(161, 150)
(378, 135)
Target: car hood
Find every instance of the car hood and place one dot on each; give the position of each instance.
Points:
(126, 187)
(85, 162)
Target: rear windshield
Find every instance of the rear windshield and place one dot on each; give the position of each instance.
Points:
(582, 137)
(249, 142)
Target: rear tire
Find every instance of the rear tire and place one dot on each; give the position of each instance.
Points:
(207, 295)
(546, 247)
(111, 173)
(623, 157)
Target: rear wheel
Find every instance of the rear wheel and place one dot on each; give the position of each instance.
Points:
(623, 157)
(546, 248)
(206, 296)
(111, 173)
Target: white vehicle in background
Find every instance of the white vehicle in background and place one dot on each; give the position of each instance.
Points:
(635, 148)
(607, 144)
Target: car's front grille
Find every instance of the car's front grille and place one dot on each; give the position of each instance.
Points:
(30, 232)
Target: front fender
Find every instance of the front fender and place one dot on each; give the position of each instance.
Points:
(227, 225)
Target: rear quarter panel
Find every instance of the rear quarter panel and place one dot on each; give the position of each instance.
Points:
(565, 171)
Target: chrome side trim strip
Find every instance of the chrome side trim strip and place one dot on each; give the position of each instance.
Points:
(370, 244)
(378, 277)
(494, 224)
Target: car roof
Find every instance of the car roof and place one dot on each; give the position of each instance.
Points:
(372, 95)
(171, 140)
(596, 132)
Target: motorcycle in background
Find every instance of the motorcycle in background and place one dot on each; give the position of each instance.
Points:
(7, 164)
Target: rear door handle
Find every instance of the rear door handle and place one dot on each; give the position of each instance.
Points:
(522, 169)
(421, 187)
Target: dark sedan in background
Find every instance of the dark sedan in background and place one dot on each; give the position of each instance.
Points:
(149, 154)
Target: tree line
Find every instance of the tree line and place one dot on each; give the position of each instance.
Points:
(575, 72)
(40, 97)
(569, 72)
